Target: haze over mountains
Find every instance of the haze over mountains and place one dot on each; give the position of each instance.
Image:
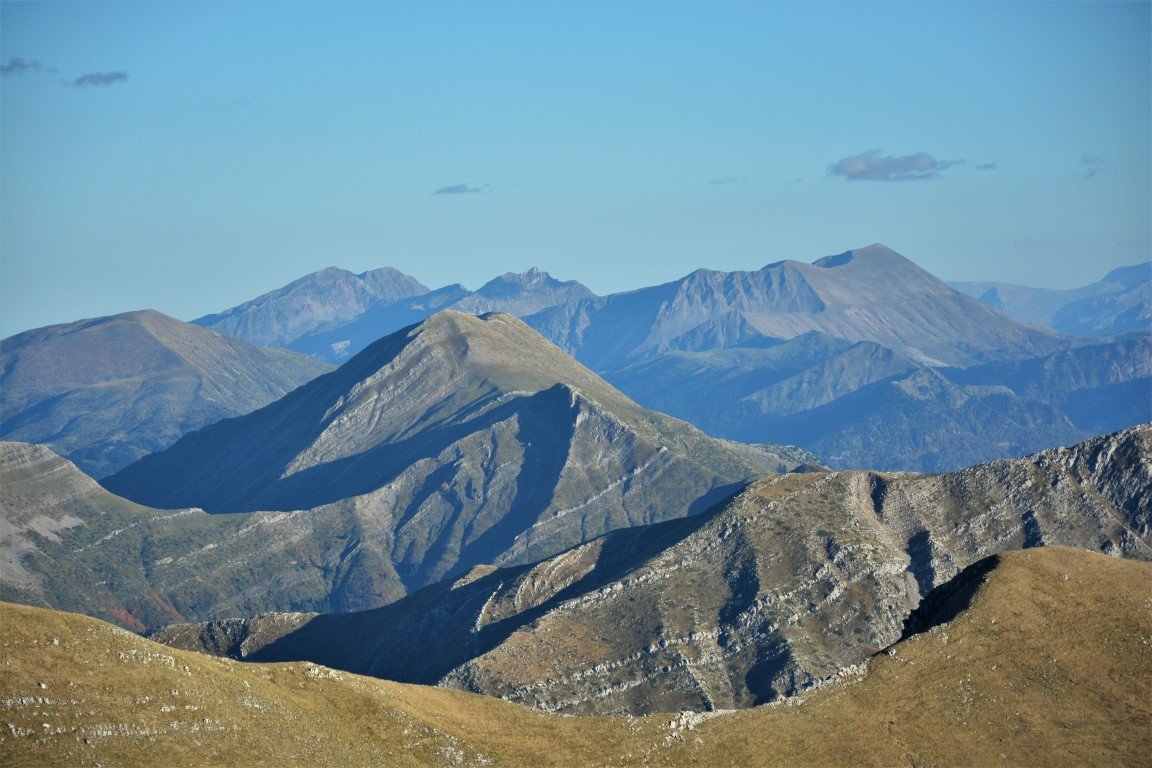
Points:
(333, 314)
(823, 355)
(794, 579)
(1121, 301)
(105, 392)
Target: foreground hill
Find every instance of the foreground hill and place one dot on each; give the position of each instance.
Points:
(107, 391)
(1121, 301)
(1041, 662)
(459, 441)
(794, 579)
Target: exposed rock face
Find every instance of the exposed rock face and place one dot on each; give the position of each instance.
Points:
(107, 391)
(1043, 659)
(460, 441)
(328, 297)
(868, 294)
(67, 543)
(334, 314)
(1120, 302)
(796, 578)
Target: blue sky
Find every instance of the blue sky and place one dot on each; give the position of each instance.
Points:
(189, 156)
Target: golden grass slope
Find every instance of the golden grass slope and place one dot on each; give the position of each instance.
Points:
(1050, 665)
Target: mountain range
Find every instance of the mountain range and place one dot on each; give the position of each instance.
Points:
(822, 355)
(1121, 301)
(333, 314)
(1027, 658)
(459, 441)
(762, 597)
(105, 392)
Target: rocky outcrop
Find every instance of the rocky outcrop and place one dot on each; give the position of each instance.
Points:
(795, 579)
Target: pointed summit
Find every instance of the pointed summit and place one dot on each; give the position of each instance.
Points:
(523, 293)
(328, 296)
(458, 441)
(105, 391)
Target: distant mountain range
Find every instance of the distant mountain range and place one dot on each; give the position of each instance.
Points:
(831, 356)
(333, 314)
(1121, 302)
(105, 392)
(764, 596)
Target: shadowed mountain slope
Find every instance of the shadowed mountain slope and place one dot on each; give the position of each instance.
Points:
(465, 440)
(67, 543)
(106, 391)
(1043, 664)
(792, 581)
(320, 299)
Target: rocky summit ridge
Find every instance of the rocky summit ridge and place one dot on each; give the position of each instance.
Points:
(793, 581)
(459, 441)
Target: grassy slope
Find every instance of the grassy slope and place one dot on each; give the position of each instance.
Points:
(1050, 666)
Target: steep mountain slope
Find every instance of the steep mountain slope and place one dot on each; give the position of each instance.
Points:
(1041, 662)
(795, 579)
(67, 543)
(322, 298)
(1122, 301)
(868, 294)
(105, 392)
(463, 440)
(1101, 387)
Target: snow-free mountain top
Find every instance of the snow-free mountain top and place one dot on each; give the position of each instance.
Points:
(465, 439)
(867, 294)
(329, 296)
(106, 391)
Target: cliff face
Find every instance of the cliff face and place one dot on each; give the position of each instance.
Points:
(792, 581)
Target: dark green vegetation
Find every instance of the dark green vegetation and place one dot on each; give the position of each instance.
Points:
(107, 391)
(792, 581)
(1121, 302)
(1043, 662)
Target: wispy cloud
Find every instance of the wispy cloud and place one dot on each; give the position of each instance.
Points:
(19, 66)
(97, 79)
(1091, 164)
(461, 189)
(874, 166)
(724, 180)
(987, 166)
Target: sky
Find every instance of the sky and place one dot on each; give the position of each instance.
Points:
(188, 156)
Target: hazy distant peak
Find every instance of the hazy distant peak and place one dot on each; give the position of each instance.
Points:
(876, 254)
